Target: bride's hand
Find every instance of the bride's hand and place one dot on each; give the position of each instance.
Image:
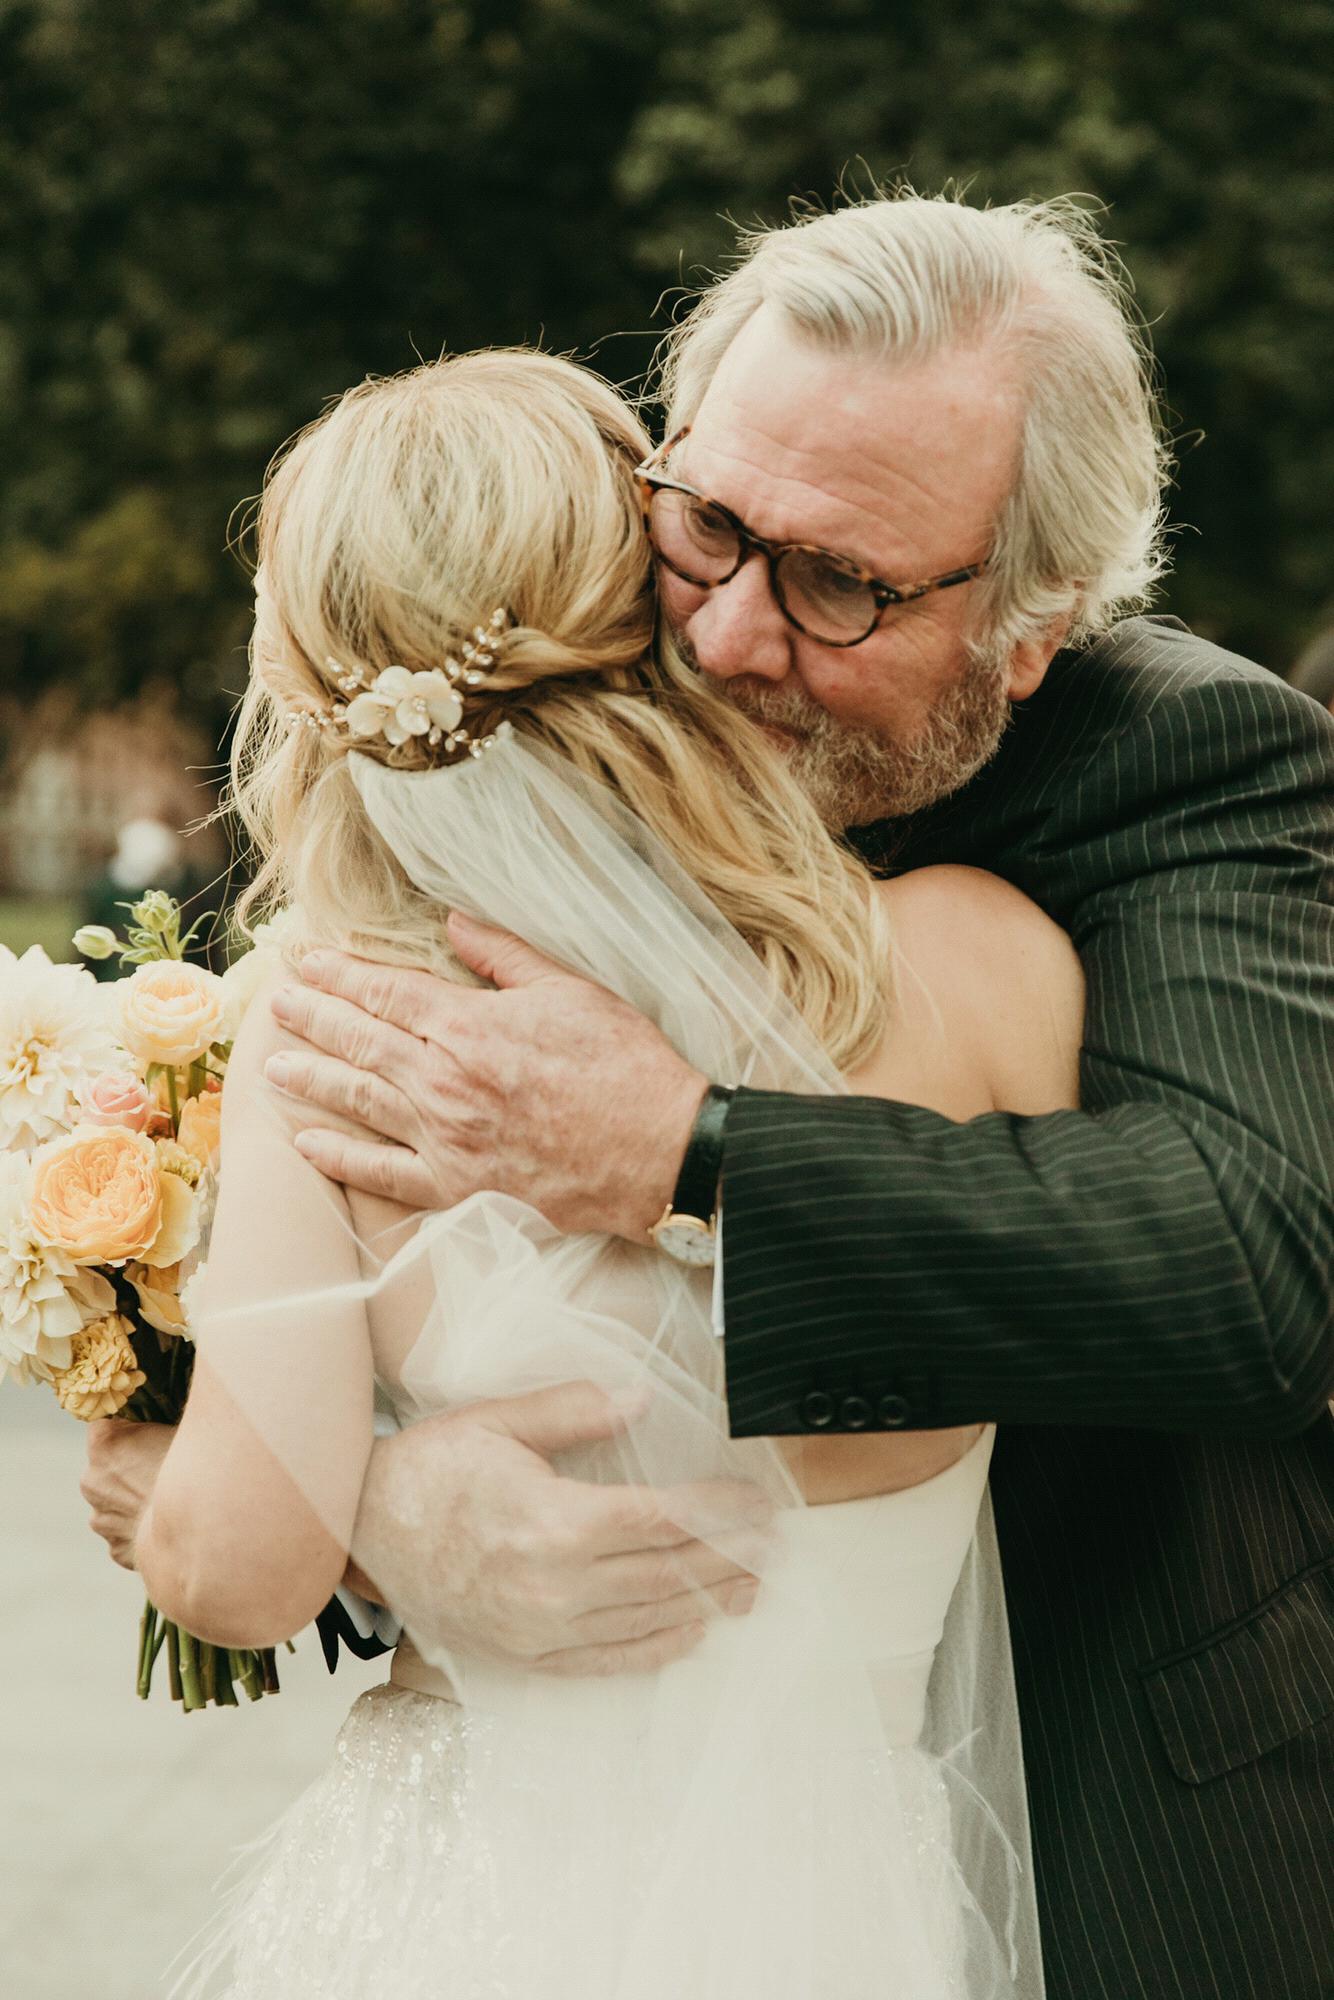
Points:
(124, 1459)
(468, 1533)
(550, 1089)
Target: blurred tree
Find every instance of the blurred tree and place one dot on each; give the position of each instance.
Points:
(219, 213)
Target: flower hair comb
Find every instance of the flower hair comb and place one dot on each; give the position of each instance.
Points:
(399, 704)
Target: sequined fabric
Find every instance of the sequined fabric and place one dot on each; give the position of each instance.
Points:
(379, 1884)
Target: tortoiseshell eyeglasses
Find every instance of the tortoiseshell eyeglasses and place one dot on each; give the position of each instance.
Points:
(825, 595)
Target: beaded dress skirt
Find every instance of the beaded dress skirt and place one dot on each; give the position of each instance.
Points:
(450, 1852)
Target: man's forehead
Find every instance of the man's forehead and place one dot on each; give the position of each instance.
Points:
(827, 444)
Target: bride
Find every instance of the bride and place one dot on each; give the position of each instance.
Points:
(457, 702)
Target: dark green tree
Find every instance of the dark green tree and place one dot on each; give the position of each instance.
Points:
(217, 214)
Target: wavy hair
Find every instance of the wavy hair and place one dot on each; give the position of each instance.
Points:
(392, 526)
(906, 277)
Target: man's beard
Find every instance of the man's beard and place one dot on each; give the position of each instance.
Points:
(854, 776)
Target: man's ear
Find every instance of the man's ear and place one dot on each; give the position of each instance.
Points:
(1031, 658)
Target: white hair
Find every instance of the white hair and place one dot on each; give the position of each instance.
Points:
(906, 277)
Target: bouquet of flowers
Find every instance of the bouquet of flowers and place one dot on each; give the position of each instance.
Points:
(110, 1105)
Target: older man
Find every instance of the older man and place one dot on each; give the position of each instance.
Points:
(911, 485)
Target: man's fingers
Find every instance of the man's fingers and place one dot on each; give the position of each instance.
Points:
(497, 955)
(341, 1029)
(406, 999)
(358, 1094)
(661, 1574)
(571, 1413)
(622, 1519)
(393, 1171)
(633, 1656)
(619, 1624)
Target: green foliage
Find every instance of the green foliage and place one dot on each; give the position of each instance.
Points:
(218, 214)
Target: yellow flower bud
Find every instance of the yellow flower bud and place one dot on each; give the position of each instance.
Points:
(96, 941)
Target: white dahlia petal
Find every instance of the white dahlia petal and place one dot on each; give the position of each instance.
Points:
(54, 1035)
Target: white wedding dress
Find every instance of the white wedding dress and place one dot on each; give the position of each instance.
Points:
(824, 1801)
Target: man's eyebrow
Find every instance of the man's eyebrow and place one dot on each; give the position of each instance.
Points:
(877, 570)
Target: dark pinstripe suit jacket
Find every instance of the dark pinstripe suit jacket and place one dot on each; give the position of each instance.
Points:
(1139, 1293)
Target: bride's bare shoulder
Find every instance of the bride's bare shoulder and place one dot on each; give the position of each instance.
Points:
(988, 993)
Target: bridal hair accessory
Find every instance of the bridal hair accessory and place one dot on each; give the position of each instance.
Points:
(399, 705)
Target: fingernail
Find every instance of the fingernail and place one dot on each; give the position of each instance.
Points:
(630, 1402)
(281, 1002)
(741, 1597)
(314, 965)
(277, 1069)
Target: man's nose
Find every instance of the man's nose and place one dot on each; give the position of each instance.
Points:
(739, 629)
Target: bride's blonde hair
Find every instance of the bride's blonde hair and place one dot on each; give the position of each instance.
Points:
(396, 523)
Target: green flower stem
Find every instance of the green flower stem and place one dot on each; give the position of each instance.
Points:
(174, 1096)
(192, 1693)
(174, 1663)
(224, 1693)
(208, 1671)
(147, 1626)
(245, 1666)
(269, 1668)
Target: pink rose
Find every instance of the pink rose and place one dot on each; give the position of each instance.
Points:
(117, 1097)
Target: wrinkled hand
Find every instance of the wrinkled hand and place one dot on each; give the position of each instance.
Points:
(472, 1537)
(124, 1460)
(550, 1089)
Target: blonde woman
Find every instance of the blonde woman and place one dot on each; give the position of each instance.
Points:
(456, 704)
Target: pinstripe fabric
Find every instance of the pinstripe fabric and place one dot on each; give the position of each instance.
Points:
(1139, 1292)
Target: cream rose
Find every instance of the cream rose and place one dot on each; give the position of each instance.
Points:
(171, 1012)
(117, 1097)
(101, 1197)
(200, 1127)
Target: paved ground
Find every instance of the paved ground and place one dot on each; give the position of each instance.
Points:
(116, 1815)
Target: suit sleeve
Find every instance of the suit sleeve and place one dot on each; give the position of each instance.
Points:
(1160, 1258)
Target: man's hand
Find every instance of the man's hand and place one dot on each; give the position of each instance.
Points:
(551, 1089)
(124, 1459)
(469, 1534)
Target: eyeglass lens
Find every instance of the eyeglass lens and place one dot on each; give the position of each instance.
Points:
(700, 543)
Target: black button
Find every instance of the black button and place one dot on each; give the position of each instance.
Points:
(817, 1410)
(894, 1412)
(856, 1413)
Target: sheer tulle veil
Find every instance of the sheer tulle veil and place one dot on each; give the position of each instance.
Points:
(490, 1300)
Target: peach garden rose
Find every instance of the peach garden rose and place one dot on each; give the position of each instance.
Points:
(200, 1127)
(101, 1197)
(171, 1012)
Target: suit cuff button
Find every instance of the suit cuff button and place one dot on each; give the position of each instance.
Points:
(894, 1412)
(855, 1414)
(817, 1410)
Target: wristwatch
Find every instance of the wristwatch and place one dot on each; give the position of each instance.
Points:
(687, 1229)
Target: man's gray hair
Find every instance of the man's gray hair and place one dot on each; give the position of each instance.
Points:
(906, 277)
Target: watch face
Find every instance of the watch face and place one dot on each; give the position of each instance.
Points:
(689, 1241)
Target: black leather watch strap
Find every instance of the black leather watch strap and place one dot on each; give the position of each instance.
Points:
(696, 1190)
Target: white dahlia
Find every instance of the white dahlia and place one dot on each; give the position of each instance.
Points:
(54, 1036)
(44, 1299)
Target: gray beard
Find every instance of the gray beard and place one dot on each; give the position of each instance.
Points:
(854, 776)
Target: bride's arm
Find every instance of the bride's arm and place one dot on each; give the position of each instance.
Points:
(246, 1535)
